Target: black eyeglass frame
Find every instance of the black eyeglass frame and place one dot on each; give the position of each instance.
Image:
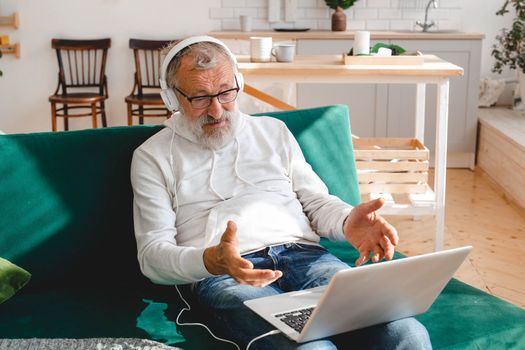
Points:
(210, 97)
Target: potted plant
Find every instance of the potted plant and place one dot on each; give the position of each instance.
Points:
(509, 49)
(339, 17)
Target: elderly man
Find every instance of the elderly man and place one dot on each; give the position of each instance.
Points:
(227, 203)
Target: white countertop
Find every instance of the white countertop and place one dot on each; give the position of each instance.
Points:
(348, 35)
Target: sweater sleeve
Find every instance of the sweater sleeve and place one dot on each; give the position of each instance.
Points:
(325, 212)
(161, 259)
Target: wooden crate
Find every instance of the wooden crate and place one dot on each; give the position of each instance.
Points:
(391, 165)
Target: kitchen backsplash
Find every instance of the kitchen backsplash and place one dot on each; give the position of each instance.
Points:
(315, 14)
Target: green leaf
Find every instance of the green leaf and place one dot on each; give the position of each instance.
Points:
(509, 49)
(396, 49)
(344, 4)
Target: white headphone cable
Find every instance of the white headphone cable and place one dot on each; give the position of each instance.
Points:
(275, 331)
(173, 189)
(188, 308)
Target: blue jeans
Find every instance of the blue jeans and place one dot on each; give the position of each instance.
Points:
(303, 266)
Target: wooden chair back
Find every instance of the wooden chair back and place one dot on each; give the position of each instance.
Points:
(148, 59)
(81, 63)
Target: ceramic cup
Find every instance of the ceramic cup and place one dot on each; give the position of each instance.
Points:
(362, 43)
(246, 23)
(284, 52)
(260, 48)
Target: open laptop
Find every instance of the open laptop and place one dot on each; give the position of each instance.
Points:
(362, 296)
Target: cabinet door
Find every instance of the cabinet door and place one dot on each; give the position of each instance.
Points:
(462, 96)
(367, 117)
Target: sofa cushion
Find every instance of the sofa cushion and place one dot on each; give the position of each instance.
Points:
(90, 313)
(463, 317)
(12, 278)
(66, 205)
(66, 313)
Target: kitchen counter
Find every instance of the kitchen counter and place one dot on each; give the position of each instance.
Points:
(329, 35)
(331, 69)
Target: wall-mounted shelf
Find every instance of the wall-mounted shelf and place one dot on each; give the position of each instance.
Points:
(10, 21)
(11, 49)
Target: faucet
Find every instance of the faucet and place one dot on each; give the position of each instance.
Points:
(426, 25)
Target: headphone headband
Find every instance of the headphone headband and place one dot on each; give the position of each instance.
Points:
(168, 95)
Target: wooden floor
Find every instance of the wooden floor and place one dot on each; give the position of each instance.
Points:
(477, 214)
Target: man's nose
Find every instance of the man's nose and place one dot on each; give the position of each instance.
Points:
(215, 109)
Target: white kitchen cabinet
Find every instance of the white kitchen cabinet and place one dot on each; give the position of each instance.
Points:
(388, 110)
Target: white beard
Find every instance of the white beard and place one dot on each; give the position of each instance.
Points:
(217, 138)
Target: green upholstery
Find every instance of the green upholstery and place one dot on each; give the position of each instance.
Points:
(66, 204)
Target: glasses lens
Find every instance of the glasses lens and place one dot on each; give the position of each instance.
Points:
(227, 96)
(201, 102)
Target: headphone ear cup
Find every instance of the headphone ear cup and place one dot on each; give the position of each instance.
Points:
(240, 80)
(174, 100)
(170, 99)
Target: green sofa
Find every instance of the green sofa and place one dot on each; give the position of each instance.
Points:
(66, 217)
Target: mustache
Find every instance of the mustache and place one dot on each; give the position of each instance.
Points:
(207, 119)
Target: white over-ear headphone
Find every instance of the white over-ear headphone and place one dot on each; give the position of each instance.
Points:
(168, 95)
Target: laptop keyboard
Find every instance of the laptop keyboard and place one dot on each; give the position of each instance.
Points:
(296, 319)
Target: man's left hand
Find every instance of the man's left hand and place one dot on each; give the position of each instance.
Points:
(368, 232)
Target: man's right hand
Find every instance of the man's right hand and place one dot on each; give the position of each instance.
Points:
(224, 258)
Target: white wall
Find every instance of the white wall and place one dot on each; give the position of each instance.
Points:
(28, 81)
(479, 16)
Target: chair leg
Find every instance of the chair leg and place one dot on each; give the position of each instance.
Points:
(103, 110)
(94, 115)
(66, 119)
(130, 114)
(53, 116)
(141, 113)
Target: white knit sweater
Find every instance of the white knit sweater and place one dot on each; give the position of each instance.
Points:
(184, 197)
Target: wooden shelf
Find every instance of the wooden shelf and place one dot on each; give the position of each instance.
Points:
(10, 21)
(412, 204)
(11, 49)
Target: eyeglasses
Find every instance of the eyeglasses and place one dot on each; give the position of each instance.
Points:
(201, 102)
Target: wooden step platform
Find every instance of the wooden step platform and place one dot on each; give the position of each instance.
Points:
(501, 150)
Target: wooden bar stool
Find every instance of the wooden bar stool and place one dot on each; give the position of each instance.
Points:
(82, 82)
(147, 55)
